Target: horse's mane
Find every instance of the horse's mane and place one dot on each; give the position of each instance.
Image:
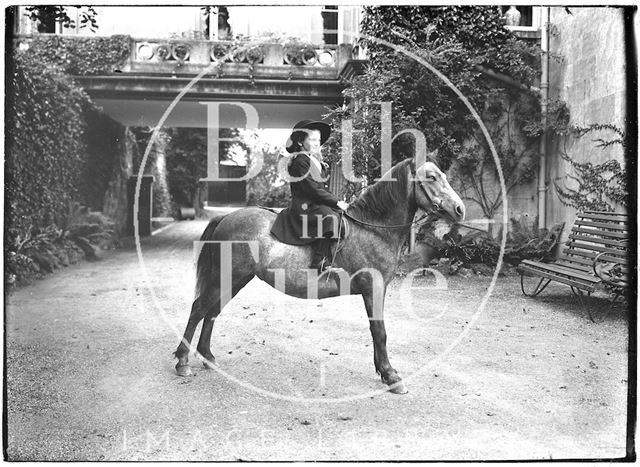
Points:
(383, 196)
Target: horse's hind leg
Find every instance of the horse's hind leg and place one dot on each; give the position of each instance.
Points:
(201, 307)
(204, 343)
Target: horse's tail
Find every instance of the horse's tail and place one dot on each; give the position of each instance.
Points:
(207, 256)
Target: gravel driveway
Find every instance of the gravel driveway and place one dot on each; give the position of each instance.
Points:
(90, 375)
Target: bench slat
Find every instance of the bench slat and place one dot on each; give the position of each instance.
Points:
(564, 270)
(601, 233)
(579, 246)
(617, 217)
(555, 277)
(586, 254)
(604, 241)
(586, 264)
(602, 225)
(606, 213)
(576, 262)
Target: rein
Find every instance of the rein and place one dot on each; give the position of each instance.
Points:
(414, 222)
(381, 226)
(418, 221)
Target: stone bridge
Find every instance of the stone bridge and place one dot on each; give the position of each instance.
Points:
(285, 83)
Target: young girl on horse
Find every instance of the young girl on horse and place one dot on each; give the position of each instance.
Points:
(313, 215)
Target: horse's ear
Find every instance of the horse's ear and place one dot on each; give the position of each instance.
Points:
(431, 156)
(412, 164)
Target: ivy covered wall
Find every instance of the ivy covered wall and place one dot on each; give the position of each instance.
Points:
(67, 163)
(586, 75)
(156, 165)
(79, 56)
(46, 147)
(60, 146)
(589, 75)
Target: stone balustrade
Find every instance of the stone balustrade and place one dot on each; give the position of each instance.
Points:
(232, 59)
(236, 59)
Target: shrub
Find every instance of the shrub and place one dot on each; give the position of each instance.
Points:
(477, 247)
(46, 149)
(46, 162)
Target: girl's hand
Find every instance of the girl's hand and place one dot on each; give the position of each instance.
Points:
(343, 205)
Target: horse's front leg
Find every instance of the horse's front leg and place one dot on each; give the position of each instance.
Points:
(374, 303)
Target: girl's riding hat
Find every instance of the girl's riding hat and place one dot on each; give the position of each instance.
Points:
(298, 131)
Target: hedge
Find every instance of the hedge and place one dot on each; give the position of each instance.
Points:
(81, 55)
(46, 148)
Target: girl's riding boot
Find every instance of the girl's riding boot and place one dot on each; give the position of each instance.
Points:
(321, 254)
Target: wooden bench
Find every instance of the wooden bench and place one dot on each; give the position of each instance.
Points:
(596, 253)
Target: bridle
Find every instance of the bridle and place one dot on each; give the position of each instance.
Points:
(436, 205)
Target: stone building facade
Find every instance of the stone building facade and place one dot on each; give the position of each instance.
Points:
(590, 78)
(587, 73)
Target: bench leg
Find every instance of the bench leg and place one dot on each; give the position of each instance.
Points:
(539, 288)
(606, 313)
(579, 293)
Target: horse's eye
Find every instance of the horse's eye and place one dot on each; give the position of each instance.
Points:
(431, 178)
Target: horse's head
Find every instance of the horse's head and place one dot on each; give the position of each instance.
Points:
(433, 193)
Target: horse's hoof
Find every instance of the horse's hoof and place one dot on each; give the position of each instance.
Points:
(398, 388)
(183, 370)
(394, 382)
(209, 363)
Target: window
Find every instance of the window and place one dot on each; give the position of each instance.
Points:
(330, 25)
(526, 15)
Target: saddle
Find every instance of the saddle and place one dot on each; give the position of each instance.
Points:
(274, 210)
(345, 227)
(336, 246)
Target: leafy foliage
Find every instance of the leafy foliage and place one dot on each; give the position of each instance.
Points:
(156, 165)
(473, 247)
(187, 161)
(104, 145)
(459, 42)
(599, 187)
(45, 139)
(81, 55)
(48, 165)
(81, 233)
(266, 188)
(48, 15)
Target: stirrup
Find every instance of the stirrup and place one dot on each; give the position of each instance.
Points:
(326, 265)
(318, 262)
(323, 265)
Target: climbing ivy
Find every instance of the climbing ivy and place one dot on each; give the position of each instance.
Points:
(47, 124)
(48, 15)
(46, 147)
(60, 153)
(461, 43)
(81, 55)
(599, 187)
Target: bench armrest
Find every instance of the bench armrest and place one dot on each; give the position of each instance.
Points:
(610, 274)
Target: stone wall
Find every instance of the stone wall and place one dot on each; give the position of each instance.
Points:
(155, 165)
(115, 198)
(590, 79)
(587, 72)
(161, 197)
